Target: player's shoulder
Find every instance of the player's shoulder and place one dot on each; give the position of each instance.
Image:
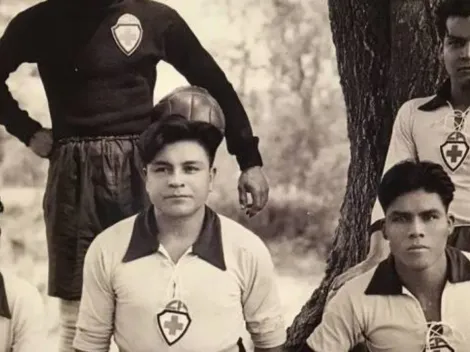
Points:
(160, 7)
(29, 16)
(416, 103)
(18, 290)
(238, 236)
(117, 235)
(356, 287)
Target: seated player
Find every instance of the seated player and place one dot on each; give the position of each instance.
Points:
(414, 300)
(22, 325)
(178, 276)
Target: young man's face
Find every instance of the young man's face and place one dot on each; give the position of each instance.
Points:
(417, 226)
(456, 50)
(179, 179)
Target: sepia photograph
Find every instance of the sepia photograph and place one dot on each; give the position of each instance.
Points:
(233, 176)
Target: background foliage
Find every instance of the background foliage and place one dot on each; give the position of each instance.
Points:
(279, 56)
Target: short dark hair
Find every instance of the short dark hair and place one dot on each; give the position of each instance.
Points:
(450, 8)
(409, 176)
(176, 128)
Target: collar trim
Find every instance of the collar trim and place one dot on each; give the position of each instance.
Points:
(208, 246)
(386, 281)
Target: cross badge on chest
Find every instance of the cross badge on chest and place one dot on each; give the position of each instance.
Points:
(174, 321)
(454, 150)
(127, 33)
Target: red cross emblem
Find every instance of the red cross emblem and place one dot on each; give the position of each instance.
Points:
(127, 33)
(454, 150)
(174, 321)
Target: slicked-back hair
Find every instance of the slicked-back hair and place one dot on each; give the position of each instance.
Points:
(450, 8)
(409, 176)
(175, 128)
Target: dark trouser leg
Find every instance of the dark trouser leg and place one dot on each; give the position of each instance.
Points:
(92, 184)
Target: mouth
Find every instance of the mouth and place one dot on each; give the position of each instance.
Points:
(177, 196)
(417, 248)
(464, 69)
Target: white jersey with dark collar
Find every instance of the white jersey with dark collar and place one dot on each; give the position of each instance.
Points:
(377, 309)
(424, 130)
(135, 292)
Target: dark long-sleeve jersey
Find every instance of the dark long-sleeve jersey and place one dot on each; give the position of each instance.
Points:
(97, 64)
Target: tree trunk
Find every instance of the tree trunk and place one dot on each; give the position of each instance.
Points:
(386, 54)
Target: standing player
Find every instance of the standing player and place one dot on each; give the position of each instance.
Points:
(179, 276)
(436, 128)
(96, 59)
(22, 319)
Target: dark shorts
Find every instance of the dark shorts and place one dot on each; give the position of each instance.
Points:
(91, 185)
(460, 238)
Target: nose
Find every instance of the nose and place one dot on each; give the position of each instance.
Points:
(465, 52)
(416, 228)
(175, 179)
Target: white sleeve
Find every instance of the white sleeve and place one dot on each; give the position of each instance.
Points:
(260, 298)
(29, 325)
(340, 329)
(402, 147)
(96, 316)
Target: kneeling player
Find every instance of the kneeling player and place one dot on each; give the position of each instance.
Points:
(179, 276)
(414, 300)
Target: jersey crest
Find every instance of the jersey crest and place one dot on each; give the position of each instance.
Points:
(454, 150)
(127, 33)
(174, 321)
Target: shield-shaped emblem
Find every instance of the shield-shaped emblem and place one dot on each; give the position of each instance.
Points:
(174, 321)
(127, 33)
(454, 150)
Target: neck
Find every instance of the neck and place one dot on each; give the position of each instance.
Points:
(184, 229)
(427, 281)
(460, 96)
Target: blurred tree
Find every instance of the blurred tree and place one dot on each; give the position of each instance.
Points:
(281, 60)
(284, 72)
(386, 54)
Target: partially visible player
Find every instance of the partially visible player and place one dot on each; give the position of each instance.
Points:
(179, 276)
(437, 129)
(22, 318)
(414, 300)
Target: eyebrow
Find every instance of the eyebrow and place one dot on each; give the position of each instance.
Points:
(166, 163)
(455, 37)
(424, 212)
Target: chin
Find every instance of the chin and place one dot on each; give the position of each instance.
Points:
(182, 210)
(417, 264)
(465, 83)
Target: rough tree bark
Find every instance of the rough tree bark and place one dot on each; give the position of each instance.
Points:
(386, 54)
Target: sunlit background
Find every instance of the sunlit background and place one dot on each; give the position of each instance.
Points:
(281, 60)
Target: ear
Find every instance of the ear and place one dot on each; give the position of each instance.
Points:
(384, 229)
(212, 174)
(451, 223)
